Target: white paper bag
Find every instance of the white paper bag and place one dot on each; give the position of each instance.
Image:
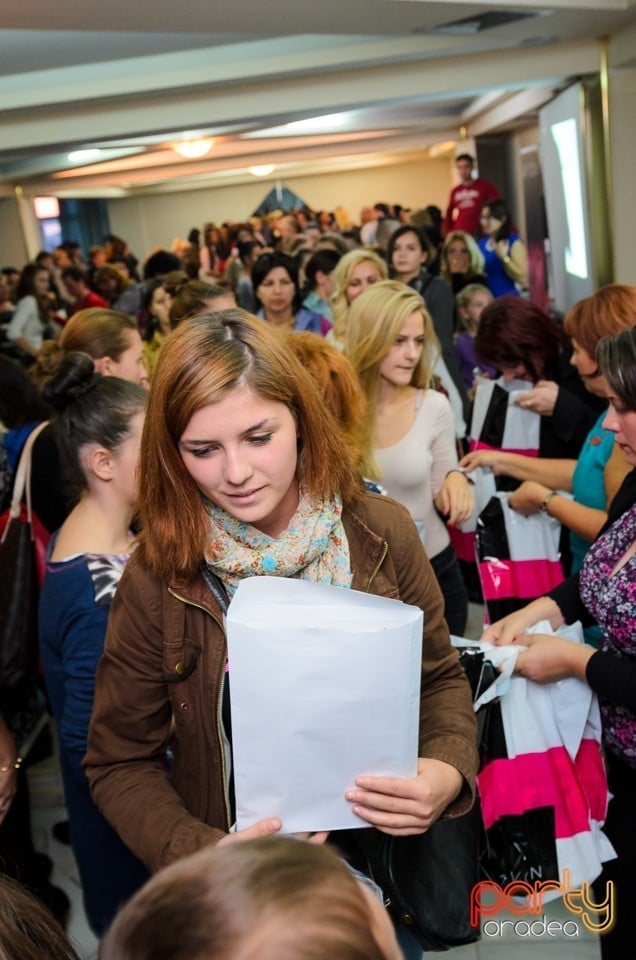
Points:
(324, 687)
(510, 428)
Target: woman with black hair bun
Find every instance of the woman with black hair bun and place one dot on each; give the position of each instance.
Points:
(99, 435)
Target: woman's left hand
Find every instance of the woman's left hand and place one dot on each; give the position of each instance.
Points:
(528, 497)
(502, 248)
(550, 658)
(404, 807)
(541, 399)
(455, 499)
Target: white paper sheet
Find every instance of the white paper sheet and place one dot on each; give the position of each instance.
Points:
(324, 687)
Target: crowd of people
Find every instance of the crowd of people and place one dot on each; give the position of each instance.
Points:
(325, 376)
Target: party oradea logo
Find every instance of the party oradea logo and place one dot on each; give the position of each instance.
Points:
(523, 899)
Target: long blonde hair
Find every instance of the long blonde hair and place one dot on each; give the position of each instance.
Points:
(374, 322)
(342, 275)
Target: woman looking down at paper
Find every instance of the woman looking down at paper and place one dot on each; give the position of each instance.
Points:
(244, 469)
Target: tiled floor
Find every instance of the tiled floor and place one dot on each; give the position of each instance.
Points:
(501, 944)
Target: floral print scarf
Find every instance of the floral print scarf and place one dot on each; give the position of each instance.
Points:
(313, 547)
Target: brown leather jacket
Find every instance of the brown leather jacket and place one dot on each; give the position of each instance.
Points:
(165, 656)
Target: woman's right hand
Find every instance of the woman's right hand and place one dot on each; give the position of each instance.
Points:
(511, 629)
(495, 459)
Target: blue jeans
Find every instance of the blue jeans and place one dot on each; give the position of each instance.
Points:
(408, 944)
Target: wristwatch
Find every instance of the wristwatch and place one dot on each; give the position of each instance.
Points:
(546, 501)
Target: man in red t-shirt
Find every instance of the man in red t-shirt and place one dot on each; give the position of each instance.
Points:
(83, 297)
(467, 198)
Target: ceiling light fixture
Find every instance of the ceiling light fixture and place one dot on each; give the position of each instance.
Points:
(81, 156)
(442, 149)
(263, 170)
(192, 149)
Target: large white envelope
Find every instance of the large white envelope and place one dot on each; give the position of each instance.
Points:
(324, 687)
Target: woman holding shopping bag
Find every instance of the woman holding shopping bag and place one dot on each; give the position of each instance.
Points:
(596, 475)
(248, 474)
(606, 593)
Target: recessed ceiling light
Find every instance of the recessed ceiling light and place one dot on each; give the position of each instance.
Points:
(262, 170)
(81, 156)
(191, 149)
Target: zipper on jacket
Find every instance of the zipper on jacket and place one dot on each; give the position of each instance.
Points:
(374, 572)
(219, 705)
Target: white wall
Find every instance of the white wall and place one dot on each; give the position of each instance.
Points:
(155, 220)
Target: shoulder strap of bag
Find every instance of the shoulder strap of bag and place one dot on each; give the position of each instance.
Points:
(22, 483)
(216, 587)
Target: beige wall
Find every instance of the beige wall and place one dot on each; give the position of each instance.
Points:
(12, 249)
(623, 178)
(155, 220)
(622, 125)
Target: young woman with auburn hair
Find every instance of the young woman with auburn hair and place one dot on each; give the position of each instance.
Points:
(269, 899)
(244, 472)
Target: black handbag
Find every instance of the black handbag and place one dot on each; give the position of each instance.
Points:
(427, 879)
(21, 549)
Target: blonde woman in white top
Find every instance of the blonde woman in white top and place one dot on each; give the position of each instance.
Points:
(410, 442)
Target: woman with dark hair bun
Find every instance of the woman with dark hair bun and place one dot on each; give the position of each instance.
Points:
(524, 343)
(99, 435)
(278, 296)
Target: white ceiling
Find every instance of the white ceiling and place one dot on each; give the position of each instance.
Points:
(133, 78)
